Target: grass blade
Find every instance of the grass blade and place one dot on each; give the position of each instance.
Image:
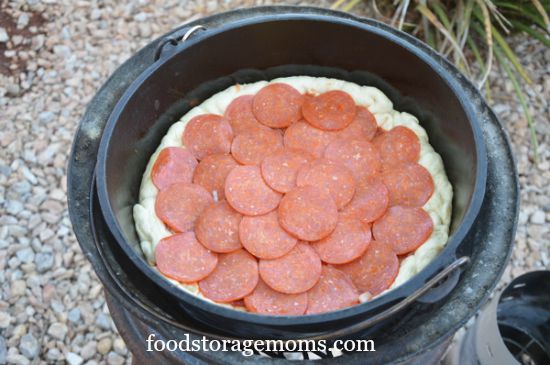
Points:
(542, 11)
(485, 19)
(543, 38)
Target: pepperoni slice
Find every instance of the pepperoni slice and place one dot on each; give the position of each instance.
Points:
(263, 237)
(364, 126)
(173, 165)
(250, 148)
(278, 105)
(218, 228)
(334, 291)
(235, 276)
(308, 213)
(280, 169)
(304, 136)
(265, 300)
(180, 204)
(211, 172)
(400, 144)
(330, 111)
(346, 243)
(182, 258)
(293, 273)
(240, 116)
(408, 184)
(247, 192)
(375, 270)
(328, 175)
(370, 200)
(403, 228)
(361, 157)
(207, 134)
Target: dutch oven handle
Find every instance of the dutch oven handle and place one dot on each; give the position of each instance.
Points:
(446, 279)
(175, 38)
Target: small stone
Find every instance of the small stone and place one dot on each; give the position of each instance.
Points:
(58, 330)
(104, 345)
(114, 359)
(17, 288)
(140, 17)
(103, 321)
(29, 346)
(43, 261)
(89, 350)
(119, 346)
(74, 315)
(17, 359)
(3, 350)
(5, 319)
(4, 38)
(14, 207)
(23, 20)
(25, 255)
(73, 359)
(538, 217)
(45, 117)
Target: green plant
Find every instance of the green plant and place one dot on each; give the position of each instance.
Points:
(471, 32)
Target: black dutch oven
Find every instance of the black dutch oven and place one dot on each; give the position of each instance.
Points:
(196, 63)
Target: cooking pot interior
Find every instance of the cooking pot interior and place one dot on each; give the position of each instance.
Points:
(217, 58)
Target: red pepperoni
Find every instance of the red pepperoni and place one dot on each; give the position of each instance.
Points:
(250, 148)
(403, 228)
(308, 213)
(328, 175)
(218, 228)
(332, 110)
(235, 276)
(293, 273)
(370, 200)
(364, 126)
(211, 172)
(173, 165)
(375, 270)
(263, 236)
(207, 134)
(280, 169)
(182, 258)
(400, 144)
(278, 105)
(359, 156)
(334, 291)
(240, 116)
(346, 243)
(180, 204)
(265, 300)
(304, 136)
(247, 192)
(408, 184)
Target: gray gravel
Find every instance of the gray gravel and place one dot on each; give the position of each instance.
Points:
(52, 307)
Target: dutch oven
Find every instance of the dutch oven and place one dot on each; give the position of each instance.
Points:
(196, 62)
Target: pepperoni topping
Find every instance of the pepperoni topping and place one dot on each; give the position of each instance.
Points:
(400, 144)
(278, 105)
(240, 116)
(364, 126)
(235, 276)
(263, 237)
(375, 270)
(280, 169)
(173, 165)
(180, 204)
(212, 171)
(370, 200)
(265, 300)
(346, 243)
(182, 258)
(403, 228)
(308, 213)
(250, 148)
(330, 111)
(334, 291)
(248, 193)
(207, 134)
(408, 184)
(304, 136)
(293, 273)
(218, 228)
(333, 178)
(361, 157)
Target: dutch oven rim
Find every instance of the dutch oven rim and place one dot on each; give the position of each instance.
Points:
(431, 269)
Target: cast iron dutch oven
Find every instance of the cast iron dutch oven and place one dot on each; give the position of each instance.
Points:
(262, 48)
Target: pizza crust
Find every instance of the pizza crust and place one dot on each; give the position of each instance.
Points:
(151, 229)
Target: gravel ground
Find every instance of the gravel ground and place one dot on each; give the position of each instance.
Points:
(54, 55)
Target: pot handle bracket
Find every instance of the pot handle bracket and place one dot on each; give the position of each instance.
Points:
(167, 44)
